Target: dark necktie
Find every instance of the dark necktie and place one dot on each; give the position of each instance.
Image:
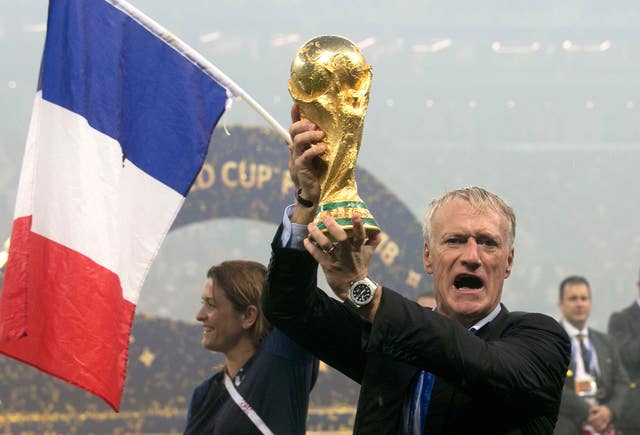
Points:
(586, 357)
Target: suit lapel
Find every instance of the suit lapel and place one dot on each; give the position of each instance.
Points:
(634, 317)
(604, 358)
(494, 328)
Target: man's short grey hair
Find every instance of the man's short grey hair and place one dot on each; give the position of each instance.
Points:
(480, 199)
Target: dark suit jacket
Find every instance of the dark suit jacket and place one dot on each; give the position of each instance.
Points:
(612, 386)
(506, 380)
(624, 326)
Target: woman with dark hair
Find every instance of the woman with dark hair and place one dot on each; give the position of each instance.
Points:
(264, 385)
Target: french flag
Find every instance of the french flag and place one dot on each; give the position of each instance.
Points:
(120, 128)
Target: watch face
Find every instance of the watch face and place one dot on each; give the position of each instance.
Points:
(361, 293)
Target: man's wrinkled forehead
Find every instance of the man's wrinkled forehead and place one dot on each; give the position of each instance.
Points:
(476, 211)
(485, 208)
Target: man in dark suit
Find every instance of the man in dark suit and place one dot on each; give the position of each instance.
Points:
(596, 384)
(470, 366)
(625, 328)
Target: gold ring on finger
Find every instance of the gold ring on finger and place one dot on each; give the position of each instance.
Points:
(330, 250)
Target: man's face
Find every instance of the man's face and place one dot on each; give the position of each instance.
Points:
(469, 257)
(575, 304)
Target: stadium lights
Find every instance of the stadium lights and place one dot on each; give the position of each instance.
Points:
(571, 47)
(281, 40)
(514, 48)
(433, 47)
(367, 42)
(35, 28)
(210, 37)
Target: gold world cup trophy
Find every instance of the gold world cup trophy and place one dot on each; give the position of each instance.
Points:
(330, 82)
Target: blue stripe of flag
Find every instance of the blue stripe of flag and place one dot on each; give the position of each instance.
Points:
(130, 85)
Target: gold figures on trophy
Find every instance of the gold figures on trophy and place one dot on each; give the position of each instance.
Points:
(330, 82)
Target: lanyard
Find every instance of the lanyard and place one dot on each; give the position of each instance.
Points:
(245, 407)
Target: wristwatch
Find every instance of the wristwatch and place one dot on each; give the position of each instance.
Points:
(361, 292)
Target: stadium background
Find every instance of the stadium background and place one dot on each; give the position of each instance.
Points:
(539, 102)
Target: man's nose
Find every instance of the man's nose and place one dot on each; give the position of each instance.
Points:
(470, 256)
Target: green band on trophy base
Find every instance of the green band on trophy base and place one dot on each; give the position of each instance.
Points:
(341, 204)
(346, 223)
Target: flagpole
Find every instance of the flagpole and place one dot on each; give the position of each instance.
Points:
(199, 60)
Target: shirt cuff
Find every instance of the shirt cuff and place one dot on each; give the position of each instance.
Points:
(293, 234)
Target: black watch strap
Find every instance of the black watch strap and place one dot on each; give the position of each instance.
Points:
(303, 202)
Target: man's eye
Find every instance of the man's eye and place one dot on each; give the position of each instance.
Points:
(487, 242)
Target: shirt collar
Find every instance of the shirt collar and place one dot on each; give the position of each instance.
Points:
(492, 315)
(572, 331)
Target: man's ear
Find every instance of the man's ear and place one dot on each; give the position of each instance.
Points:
(426, 259)
(249, 317)
(507, 271)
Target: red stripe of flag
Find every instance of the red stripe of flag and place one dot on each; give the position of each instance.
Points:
(77, 322)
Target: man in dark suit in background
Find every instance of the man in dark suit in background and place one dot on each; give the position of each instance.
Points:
(469, 367)
(625, 327)
(597, 383)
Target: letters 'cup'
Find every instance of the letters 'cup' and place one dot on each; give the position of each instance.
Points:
(330, 82)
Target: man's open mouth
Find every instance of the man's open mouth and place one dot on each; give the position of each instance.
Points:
(467, 281)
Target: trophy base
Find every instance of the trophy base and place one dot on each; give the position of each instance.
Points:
(342, 211)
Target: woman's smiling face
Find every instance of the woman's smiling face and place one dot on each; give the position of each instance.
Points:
(221, 322)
